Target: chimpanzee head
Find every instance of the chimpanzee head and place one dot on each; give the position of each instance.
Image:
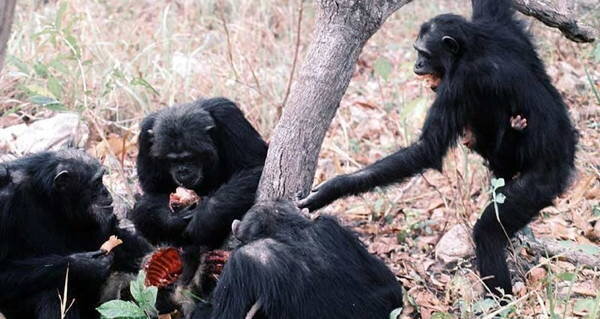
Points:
(439, 44)
(72, 182)
(269, 219)
(182, 139)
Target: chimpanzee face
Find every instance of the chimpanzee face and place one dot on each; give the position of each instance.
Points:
(182, 139)
(78, 187)
(437, 47)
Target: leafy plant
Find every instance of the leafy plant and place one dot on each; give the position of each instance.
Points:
(143, 307)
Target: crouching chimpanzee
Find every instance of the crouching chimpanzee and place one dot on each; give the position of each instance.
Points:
(290, 266)
(206, 146)
(487, 71)
(55, 213)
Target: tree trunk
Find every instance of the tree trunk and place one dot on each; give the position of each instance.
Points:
(7, 10)
(342, 29)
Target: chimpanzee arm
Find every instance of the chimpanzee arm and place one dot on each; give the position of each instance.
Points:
(154, 219)
(212, 219)
(440, 131)
(22, 277)
(128, 256)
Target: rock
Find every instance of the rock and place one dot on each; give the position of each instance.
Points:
(48, 134)
(455, 244)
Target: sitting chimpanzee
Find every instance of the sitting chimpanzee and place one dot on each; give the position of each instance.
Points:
(487, 70)
(290, 266)
(55, 213)
(207, 146)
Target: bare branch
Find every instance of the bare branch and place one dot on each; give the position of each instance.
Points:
(553, 17)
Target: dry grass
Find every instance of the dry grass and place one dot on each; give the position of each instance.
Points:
(116, 60)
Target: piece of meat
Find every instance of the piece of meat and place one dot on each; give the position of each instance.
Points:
(432, 80)
(182, 197)
(164, 267)
(112, 242)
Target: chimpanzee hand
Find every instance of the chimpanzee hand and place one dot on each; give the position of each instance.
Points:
(326, 193)
(518, 122)
(94, 265)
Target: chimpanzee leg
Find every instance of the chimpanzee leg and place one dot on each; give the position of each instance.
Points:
(525, 197)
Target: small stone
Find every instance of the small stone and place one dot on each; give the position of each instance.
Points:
(456, 244)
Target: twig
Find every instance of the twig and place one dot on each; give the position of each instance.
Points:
(229, 48)
(63, 299)
(552, 17)
(295, 61)
(255, 307)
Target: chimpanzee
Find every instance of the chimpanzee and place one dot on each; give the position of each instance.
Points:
(289, 266)
(488, 70)
(55, 213)
(207, 146)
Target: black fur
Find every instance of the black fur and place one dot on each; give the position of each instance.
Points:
(299, 268)
(489, 70)
(56, 213)
(211, 148)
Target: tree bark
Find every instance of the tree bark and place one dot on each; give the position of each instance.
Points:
(557, 17)
(7, 11)
(342, 29)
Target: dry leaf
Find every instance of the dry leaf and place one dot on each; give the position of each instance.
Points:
(537, 274)
(114, 144)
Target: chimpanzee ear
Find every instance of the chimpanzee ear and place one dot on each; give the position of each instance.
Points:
(451, 44)
(61, 180)
(235, 226)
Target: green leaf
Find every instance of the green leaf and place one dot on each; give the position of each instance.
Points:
(566, 276)
(383, 67)
(60, 14)
(395, 314)
(41, 70)
(145, 296)
(47, 102)
(144, 83)
(55, 87)
(120, 309)
(582, 305)
(498, 182)
(596, 211)
(483, 306)
(500, 198)
(74, 46)
(441, 315)
(18, 63)
(58, 66)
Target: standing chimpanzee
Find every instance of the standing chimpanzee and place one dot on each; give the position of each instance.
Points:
(55, 213)
(207, 146)
(289, 266)
(488, 70)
